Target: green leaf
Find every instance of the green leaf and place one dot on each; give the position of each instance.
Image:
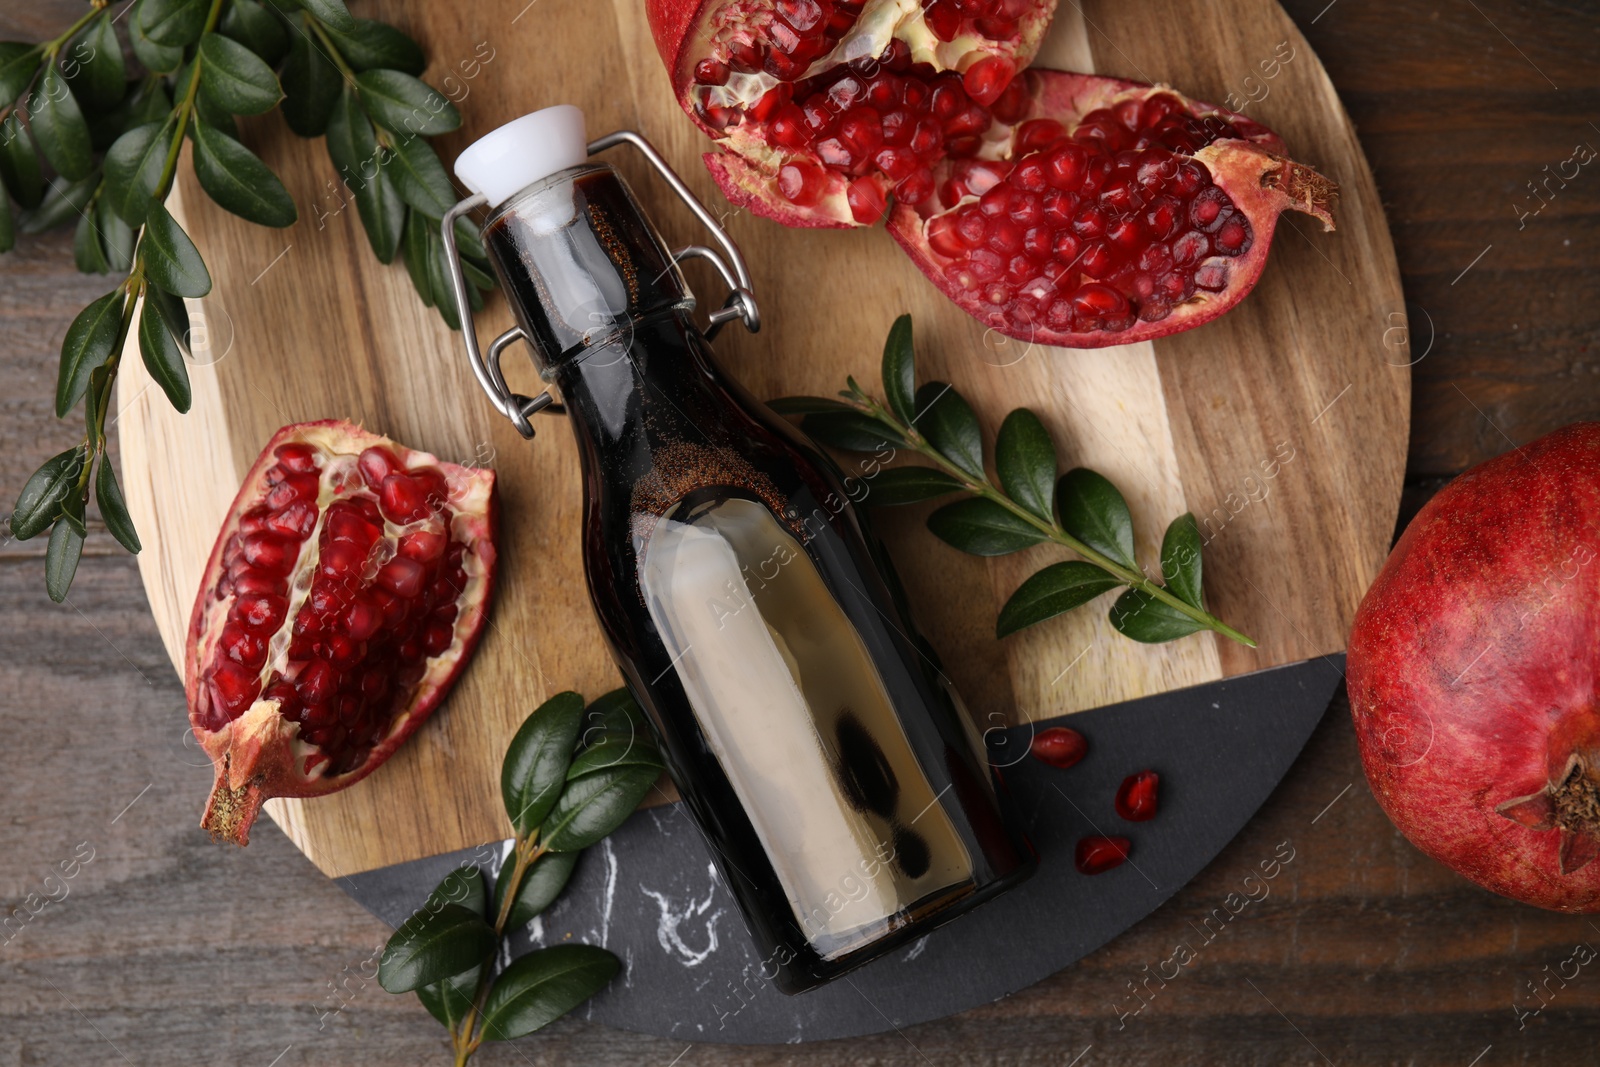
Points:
(1139, 615)
(232, 175)
(535, 768)
(432, 946)
(150, 103)
(1025, 460)
(40, 500)
(806, 405)
(116, 237)
(908, 485)
(1093, 511)
(402, 103)
(614, 718)
(89, 341)
(415, 246)
(541, 884)
(162, 354)
(311, 87)
(331, 12)
(72, 510)
(463, 886)
(8, 226)
(176, 23)
(900, 370)
(63, 202)
(949, 424)
(113, 509)
(983, 528)
(541, 987)
(420, 179)
(235, 79)
(375, 44)
(19, 163)
(353, 147)
(156, 57)
(94, 403)
(851, 430)
(133, 170)
(174, 315)
(87, 253)
(61, 560)
(256, 28)
(1058, 588)
(604, 785)
(444, 295)
(58, 127)
(94, 66)
(18, 62)
(449, 1000)
(170, 258)
(1180, 561)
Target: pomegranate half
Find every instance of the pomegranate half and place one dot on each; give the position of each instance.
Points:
(1061, 208)
(1474, 674)
(347, 589)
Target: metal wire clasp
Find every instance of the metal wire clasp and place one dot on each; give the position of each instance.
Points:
(740, 303)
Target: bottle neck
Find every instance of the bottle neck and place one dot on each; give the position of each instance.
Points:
(582, 267)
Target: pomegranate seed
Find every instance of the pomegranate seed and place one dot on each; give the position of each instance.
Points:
(296, 457)
(835, 152)
(866, 199)
(998, 29)
(446, 614)
(243, 647)
(1209, 209)
(914, 188)
(1089, 222)
(377, 464)
(342, 560)
(346, 523)
(771, 100)
(1013, 105)
(1212, 277)
(1097, 260)
(437, 638)
(1192, 247)
(293, 487)
(1233, 238)
(745, 56)
(1136, 797)
(801, 183)
(1096, 855)
(251, 582)
(986, 79)
(295, 521)
(234, 688)
(316, 682)
(1038, 242)
(263, 614)
(788, 128)
(1100, 301)
(943, 19)
(711, 72)
(862, 127)
(1059, 207)
(424, 546)
(362, 619)
(1005, 237)
(1125, 235)
(402, 576)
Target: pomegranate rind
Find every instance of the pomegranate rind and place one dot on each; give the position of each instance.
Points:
(259, 755)
(1473, 669)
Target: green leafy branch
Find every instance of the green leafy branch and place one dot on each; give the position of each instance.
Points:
(571, 776)
(113, 137)
(1080, 510)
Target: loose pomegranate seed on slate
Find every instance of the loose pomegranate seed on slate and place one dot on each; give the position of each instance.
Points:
(1059, 746)
(1096, 855)
(1136, 797)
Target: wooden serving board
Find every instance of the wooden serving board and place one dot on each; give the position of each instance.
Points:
(1282, 426)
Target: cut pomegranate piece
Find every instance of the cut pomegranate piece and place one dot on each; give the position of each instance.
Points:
(1088, 186)
(347, 589)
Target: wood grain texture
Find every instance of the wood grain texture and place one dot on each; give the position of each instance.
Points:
(304, 326)
(181, 954)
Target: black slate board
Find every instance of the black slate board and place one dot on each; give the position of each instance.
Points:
(650, 894)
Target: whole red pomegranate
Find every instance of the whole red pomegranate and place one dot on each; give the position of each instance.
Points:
(347, 589)
(1062, 208)
(1474, 674)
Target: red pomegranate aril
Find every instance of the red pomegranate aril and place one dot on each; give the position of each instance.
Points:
(1209, 209)
(867, 202)
(1233, 237)
(301, 459)
(801, 183)
(1100, 301)
(943, 19)
(787, 128)
(293, 487)
(269, 553)
(1059, 746)
(1089, 223)
(1096, 854)
(407, 497)
(376, 464)
(316, 682)
(1212, 277)
(986, 79)
(801, 14)
(341, 559)
(402, 577)
(295, 521)
(1038, 242)
(262, 614)
(1191, 248)
(915, 187)
(234, 687)
(1137, 796)
(1068, 248)
(362, 619)
(862, 127)
(436, 639)
(424, 546)
(711, 72)
(243, 647)
(1125, 236)
(1097, 260)
(251, 582)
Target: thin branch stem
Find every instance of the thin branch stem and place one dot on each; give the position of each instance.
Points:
(523, 854)
(870, 406)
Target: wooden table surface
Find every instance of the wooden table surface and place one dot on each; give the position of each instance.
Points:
(169, 950)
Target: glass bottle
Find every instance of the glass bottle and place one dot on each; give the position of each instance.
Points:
(837, 779)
